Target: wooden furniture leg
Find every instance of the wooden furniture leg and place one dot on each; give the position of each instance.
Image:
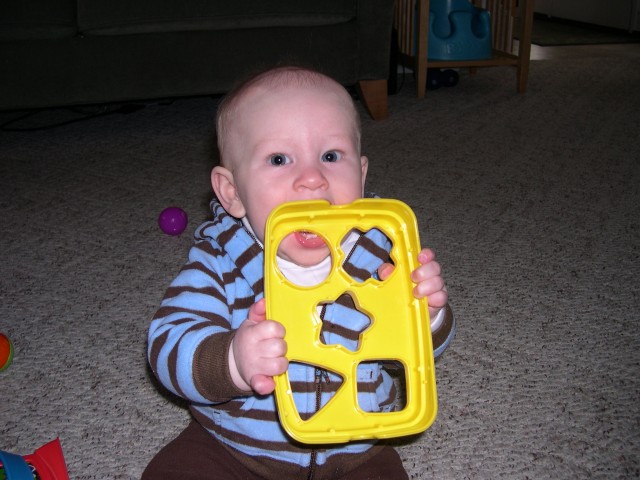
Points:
(422, 48)
(524, 47)
(374, 96)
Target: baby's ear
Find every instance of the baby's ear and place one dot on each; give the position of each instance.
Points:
(364, 165)
(224, 186)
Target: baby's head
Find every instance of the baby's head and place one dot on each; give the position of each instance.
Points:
(288, 134)
(272, 81)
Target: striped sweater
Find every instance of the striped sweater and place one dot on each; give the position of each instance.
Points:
(189, 340)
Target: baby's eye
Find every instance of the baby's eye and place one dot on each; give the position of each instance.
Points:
(278, 159)
(331, 156)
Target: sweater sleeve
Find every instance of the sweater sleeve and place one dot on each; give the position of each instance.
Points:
(191, 332)
(211, 368)
(443, 334)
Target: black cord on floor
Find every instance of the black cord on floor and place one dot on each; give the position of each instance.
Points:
(101, 112)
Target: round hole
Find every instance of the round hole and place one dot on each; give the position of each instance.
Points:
(304, 258)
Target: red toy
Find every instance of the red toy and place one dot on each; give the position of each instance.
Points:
(46, 463)
(6, 352)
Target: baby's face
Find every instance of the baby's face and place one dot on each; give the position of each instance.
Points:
(294, 144)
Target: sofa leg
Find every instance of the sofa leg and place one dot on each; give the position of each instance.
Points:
(374, 96)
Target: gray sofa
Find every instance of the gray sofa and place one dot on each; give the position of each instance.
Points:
(74, 52)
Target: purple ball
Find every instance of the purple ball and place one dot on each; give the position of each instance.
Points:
(173, 220)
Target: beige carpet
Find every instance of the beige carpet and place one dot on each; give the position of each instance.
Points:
(532, 202)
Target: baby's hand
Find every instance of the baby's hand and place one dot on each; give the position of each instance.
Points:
(428, 280)
(257, 352)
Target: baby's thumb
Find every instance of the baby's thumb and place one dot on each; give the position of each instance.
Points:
(263, 384)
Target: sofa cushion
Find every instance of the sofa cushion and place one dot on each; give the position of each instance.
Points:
(36, 19)
(114, 17)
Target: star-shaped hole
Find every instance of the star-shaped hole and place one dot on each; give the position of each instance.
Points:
(343, 323)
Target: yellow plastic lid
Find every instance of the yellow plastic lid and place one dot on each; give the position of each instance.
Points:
(399, 330)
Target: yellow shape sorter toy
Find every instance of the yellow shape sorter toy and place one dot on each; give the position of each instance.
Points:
(399, 330)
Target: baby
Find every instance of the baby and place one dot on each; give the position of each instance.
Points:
(285, 135)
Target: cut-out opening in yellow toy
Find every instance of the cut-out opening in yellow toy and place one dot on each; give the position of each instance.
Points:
(362, 237)
(326, 384)
(366, 390)
(332, 334)
(305, 248)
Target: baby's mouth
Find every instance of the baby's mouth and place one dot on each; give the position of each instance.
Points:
(309, 239)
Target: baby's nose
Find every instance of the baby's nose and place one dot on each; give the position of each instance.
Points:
(311, 177)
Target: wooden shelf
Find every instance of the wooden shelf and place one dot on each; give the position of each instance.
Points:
(508, 22)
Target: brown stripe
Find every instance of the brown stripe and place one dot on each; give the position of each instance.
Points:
(328, 327)
(243, 303)
(173, 292)
(301, 387)
(154, 351)
(209, 248)
(212, 317)
(359, 273)
(373, 248)
(246, 257)
(226, 236)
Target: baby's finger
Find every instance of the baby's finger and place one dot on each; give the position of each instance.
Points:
(429, 287)
(385, 270)
(271, 366)
(269, 329)
(273, 348)
(426, 255)
(426, 271)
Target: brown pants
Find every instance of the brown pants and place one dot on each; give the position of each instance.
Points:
(196, 455)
